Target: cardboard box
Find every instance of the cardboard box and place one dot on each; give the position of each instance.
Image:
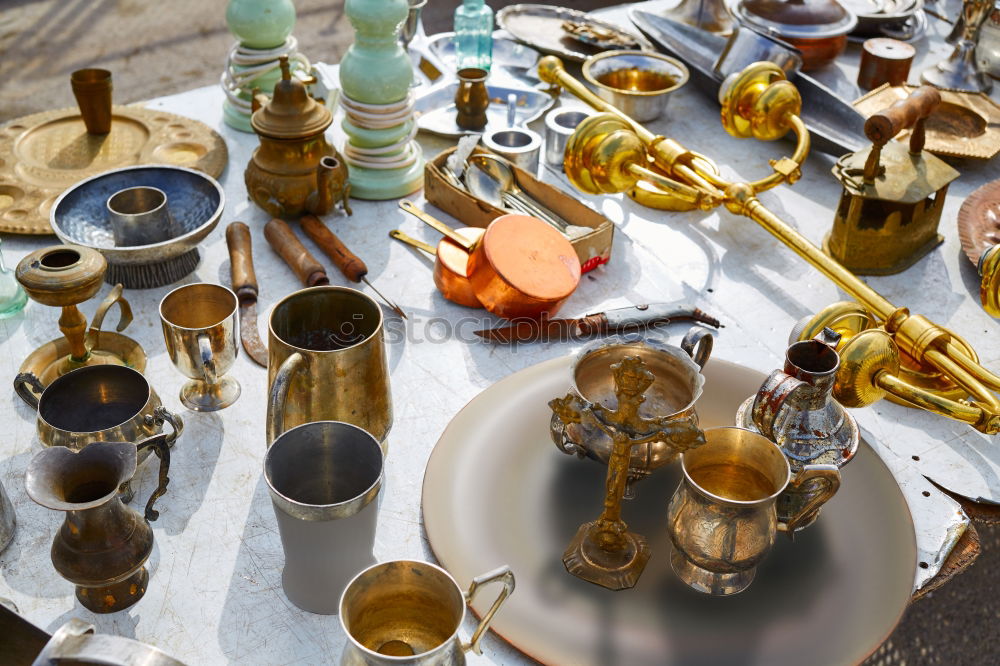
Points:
(593, 248)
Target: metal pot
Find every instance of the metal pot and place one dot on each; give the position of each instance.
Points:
(636, 82)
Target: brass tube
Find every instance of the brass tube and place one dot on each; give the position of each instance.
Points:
(964, 379)
(844, 278)
(929, 401)
(957, 354)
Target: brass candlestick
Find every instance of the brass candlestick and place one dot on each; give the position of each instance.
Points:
(65, 276)
(603, 551)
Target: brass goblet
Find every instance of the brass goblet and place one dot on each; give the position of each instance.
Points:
(199, 329)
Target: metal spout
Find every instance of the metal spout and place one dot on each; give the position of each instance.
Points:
(325, 183)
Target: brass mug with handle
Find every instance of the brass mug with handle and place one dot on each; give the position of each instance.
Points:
(409, 612)
(327, 362)
(722, 518)
(199, 328)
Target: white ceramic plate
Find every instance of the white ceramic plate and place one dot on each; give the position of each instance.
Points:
(496, 490)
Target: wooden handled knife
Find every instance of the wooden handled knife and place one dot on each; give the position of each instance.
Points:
(245, 285)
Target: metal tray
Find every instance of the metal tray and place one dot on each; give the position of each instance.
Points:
(43, 154)
(497, 491)
(979, 221)
(435, 109)
(540, 27)
(964, 124)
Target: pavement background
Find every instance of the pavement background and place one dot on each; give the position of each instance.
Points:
(158, 48)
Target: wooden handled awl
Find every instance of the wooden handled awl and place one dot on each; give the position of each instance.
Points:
(299, 259)
(353, 268)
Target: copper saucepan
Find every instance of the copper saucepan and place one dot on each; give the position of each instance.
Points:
(521, 267)
(451, 265)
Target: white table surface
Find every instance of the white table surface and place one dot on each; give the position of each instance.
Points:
(215, 589)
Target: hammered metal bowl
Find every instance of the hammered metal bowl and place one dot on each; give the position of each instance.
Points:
(195, 200)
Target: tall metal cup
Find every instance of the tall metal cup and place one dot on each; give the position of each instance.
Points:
(324, 478)
(92, 89)
(327, 362)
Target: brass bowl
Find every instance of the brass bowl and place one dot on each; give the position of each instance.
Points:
(636, 82)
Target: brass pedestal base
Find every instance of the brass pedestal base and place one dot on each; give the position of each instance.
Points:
(615, 570)
(710, 582)
(52, 359)
(201, 396)
(115, 597)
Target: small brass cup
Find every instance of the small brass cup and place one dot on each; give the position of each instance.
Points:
(409, 612)
(472, 98)
(92, 89)
(199, 329)
(139, 216)
(722, 519)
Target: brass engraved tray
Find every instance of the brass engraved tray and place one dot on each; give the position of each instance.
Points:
(497, 491)
(43, 154)
(964, 125)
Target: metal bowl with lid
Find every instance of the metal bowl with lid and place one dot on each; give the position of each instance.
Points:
(818, 28)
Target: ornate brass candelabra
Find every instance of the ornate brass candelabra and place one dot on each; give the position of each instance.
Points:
(603, 551)
(610, 153)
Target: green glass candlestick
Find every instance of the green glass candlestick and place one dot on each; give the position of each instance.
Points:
(375, 76)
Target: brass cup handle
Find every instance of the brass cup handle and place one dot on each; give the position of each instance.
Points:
(162, 415)
(207, 359)
(114, 297)
(698, 343)
(279, 394)
(502, 575)
(28, 386)
(158, 443)
(829, 475)
(770, 398)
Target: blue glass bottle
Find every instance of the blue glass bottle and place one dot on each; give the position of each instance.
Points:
(474, 35)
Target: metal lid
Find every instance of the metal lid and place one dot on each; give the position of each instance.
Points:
(797, 19)
(532, 257)
(291, 113)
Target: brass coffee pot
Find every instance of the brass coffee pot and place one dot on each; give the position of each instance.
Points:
(295, 170)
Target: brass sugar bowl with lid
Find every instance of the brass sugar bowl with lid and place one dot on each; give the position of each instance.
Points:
(295, 170)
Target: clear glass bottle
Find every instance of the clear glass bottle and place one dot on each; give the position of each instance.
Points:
(12, 296)
(474, 35)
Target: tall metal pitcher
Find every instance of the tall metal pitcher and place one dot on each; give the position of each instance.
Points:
(795, 409)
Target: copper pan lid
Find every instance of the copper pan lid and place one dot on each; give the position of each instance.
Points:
(534, 267)
(797, 19)
(979, 221)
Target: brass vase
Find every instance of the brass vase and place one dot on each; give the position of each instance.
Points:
(103, 544)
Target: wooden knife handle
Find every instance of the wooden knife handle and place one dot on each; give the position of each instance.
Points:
(241, 260)
(903, 114)
(283, 240)
(349, 263)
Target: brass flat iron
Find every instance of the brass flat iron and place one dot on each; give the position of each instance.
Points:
(893, 194)
(609, 152)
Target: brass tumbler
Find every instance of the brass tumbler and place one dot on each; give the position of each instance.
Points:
(472, 98)
(324, 479)
(92, 89)
(327, 362)
(139, 216)
(199, 328)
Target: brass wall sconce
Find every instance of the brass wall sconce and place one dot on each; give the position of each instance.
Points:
(611, 153)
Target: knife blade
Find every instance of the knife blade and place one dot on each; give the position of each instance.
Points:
(245, 285)
(621, 320)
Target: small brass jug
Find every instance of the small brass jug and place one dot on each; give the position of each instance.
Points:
(795, 409)
(295, 170)
(103, 545)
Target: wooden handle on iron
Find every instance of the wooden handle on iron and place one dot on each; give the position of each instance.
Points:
(283, 240)
(241, 260)
(903, 114)
(349, 263)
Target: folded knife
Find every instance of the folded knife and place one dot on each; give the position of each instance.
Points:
(622, 320)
